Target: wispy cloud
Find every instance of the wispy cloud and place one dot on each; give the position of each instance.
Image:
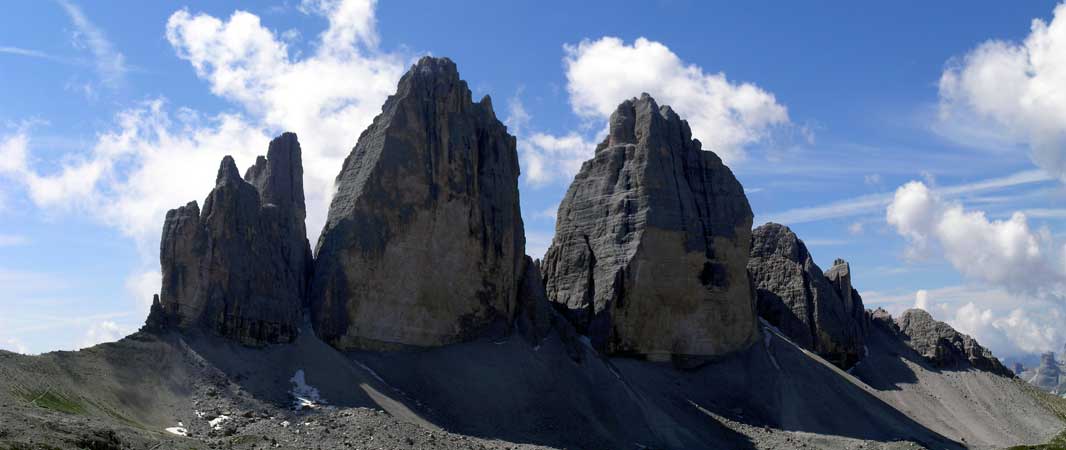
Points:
(876, 203)
(30, 53)
(110, 63)
(11, 240)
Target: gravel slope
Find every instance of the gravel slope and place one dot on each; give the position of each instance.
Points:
(495, 395)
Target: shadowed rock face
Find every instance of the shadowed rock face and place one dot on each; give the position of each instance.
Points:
(946, 348)
(651, 243)
(424, 241)
(819, 312)
(240, 267)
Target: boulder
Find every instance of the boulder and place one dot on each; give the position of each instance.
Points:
(240, 267)
(651, 243)
(944, 347)
(424, 242)
(822, 314)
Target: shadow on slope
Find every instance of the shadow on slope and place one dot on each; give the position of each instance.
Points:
(628, 403)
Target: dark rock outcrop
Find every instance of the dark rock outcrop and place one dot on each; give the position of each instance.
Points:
(818, 312)
(651, 243)
(533, 314)
(944, 347)
(424, 242)
(240, 267)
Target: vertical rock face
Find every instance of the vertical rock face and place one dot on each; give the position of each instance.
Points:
(424, 241)
(840, 277)
(1048, 375)
(946, 348)
(240, 267)
(651, 243)
(820, 312)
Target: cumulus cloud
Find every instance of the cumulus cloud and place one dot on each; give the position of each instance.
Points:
(1017, 331)
(1002, 252)
(327, 98)
(545, 158)
(1014, 90)
(1019, 271)
(150, 162)
(725, 116)
(157, 157)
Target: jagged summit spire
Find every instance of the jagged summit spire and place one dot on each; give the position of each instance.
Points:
(279, 176)
(640, 118)
(240, 268)
(227, 171)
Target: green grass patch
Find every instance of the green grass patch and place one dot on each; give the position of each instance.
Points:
(49, 399)
(1057, 443)
(1056, 405)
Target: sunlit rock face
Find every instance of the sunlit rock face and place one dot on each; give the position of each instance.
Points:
(240, 268)
(424, 242)
(651, 243)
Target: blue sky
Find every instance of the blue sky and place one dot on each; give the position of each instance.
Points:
(901, 136)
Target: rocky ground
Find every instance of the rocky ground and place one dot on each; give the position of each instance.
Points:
(179, 391)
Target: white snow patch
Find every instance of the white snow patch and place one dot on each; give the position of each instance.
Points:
(285, 424)
(178, 430)
(304, 395)
(216, 423)
(766, 342)
(199, 414)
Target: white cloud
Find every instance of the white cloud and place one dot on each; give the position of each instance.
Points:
(1003, 252)
(856, 228)
(110, 63)
(327, 98)
(1014, 90)
(143, 286)
(1008, 323)
(148, 164)
(104, 331)
(546, 158)
(1019, 331)
(725, 116)
(154, 159)
(921, 299)
(14, 345)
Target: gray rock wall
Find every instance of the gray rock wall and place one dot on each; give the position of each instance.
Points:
(946, 348)
(821, 313)
(651, 243)
(240, 267)
(424, 241)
